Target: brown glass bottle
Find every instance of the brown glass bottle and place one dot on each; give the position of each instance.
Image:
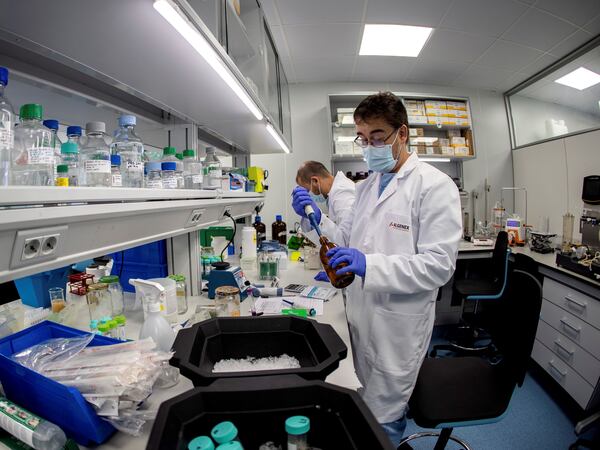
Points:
(337, 281)
(261, 230)
(279, 230)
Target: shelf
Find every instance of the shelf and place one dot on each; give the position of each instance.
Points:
(359, 158)
(98, 221)
(427, 126)
(356, 158)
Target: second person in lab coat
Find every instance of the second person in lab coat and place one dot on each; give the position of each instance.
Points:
(337, 193)
(401, 240)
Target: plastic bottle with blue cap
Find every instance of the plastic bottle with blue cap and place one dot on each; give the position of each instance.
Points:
(169, 177)
(154, 175)
(128, 145)
(115, 171)
(7, 120)
(297, 428)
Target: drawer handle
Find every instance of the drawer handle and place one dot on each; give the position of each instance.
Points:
(568, 325)
(575, 302)
(556, 369)
(563, 348)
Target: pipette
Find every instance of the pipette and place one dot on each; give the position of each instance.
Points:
(310, 213)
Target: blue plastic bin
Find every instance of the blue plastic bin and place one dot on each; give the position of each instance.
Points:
(33, 289)
(133, 270)
(152, 253)
(61, 405)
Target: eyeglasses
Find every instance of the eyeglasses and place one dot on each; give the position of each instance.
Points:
(363, 142)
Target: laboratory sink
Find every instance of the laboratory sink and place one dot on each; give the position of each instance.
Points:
(316, 346)
(259, 406)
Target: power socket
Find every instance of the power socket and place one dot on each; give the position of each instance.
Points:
(195, 218)
(226, 209)
(37, 245)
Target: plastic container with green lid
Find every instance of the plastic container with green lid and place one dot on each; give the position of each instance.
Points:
(104, 329)
(116, 293)
(201, 443)
(297, 428)
(224, 432)
(31, 111)
(233, 445)
(120, 332)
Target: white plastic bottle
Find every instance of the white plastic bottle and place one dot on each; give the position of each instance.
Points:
(212, 169)
(192, 170)
(32, 160)
(157, 327)
(95, 156)
(7, 137)
(29, 428)
(131, 150)
(169, 155)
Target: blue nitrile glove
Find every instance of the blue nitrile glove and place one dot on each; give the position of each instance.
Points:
(357, 262)
(301, 198)
(321, 276)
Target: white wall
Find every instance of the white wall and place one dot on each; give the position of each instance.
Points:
(530, 115)
(310, 134)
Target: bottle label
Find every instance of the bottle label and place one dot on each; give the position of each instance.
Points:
(169, 183)
(97, 166)
(261, 236)
(7, 136)
(154, 184)
(117, 180)
(282, 234)
(197, 179)
(40, 155)
(62, 181)
(18, 421)
(133, 166)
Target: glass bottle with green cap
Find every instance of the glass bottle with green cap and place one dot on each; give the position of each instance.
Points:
(233, 445)
(192, 170)
(113, 329)
(62, 175)
(32, 157)
(181, 290)
(7, 136)
(70, 156)
(201, 443)
(297, 428)
(121, 321)
(225, 432)
(116, 293)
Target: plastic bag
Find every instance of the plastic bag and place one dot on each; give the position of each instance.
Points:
(132, 422)
(51, 352)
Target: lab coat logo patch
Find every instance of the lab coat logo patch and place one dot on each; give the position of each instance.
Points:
(399, 227)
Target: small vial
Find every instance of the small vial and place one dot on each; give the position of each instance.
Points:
(297, 428)
(225, 432)
(121, 321)
(62, 175)
(103, 329)
(153, 175)
(115, 171)
(201, 443)
(169, 176)
(113, 332)
(94, 326)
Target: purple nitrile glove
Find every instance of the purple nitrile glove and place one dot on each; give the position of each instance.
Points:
(300, 199)
(321, 276)
(356, 260)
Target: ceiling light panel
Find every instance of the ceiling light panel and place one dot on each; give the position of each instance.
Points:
(393, 40)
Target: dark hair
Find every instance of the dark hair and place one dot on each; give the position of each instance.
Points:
(383, 105)
(311, 169)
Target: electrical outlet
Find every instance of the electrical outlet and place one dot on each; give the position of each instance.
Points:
(195, 218)
(37, 245)
(226, 209)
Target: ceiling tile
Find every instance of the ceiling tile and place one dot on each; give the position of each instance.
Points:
(448, 45)
(593, 26)
(382, 68)
(575, 11)
(569, 44)
(436, 72)
(539, 30)
(483, 77)
(270, 10)
(512, 81)
(509, 56)
(295, 12)
(487, 17)
(406, 12)
(309, 70)
(539, 64)
(305, 41)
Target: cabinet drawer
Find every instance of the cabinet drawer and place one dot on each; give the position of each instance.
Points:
(577, 358)
(571, 381)
(574, 328)
(578, 304)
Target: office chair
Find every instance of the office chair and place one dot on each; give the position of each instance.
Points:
(469, 390)
(581, 427)
(489, 289)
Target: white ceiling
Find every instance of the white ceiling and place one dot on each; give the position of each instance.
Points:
(489, 44)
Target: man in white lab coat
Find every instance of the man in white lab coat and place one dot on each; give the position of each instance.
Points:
(401, 240)
(337, 192)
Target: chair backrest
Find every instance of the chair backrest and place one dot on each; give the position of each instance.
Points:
(499, 257)
(516, 323)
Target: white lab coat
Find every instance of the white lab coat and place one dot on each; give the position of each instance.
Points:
(410, 237)
(340, 199)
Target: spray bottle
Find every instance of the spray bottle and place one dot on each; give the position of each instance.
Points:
(155, 326)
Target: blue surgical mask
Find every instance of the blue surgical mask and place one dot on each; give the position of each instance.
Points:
(380, 159)
(317, 198)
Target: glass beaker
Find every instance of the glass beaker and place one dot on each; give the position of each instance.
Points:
(99, 301)
(227, 301)
(567, 238)
(57, 299)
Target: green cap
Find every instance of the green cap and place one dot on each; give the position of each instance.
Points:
(112, 324)
(297, 425)
(103, 327)
(233, 445)
(189, 152)
(224, 432)
(31, 111)
(201, 443)
(179, 156)
(169, 151)
(68, 147)
(120, 319)
(62, 168)
(177, 277)
(109, 279)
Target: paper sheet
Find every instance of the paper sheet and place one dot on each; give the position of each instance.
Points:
(321, 293)
(274, 305)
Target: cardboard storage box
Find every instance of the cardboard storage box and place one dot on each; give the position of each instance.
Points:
(461, 151)
(444, 142)
(447, 150)
(418, 149)
(435, 104)
(415, 132)
(417, 120)
(463, 122)
(453, 133)
(344, 148)
(415, 112)
(415, 104)
(458, 141)
(462, 106)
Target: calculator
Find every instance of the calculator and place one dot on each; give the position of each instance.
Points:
(295, 288)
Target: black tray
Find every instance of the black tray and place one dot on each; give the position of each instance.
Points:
(566, 262)
(258, 407)
(317, 346)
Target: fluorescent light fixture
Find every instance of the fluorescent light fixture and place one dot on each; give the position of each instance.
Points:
(435, 159)
(393, 40)
(189, 32)
(580, 79)
(277, 138)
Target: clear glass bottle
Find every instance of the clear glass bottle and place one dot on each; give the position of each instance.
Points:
(181, 290)
(62, 175)
(53, 125)
(95, 156)
(7, 136)
(130, 148)
(169, 177)
(154, 175)
(297, 428)
(227, 301)
(32, 160)
(115, 171)
(192, 170)
(170, 155)
(116, 294)
(70, 156)
(213, 170)
(180, 171)
(121, 322)
(99, 302)
(74, 133)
